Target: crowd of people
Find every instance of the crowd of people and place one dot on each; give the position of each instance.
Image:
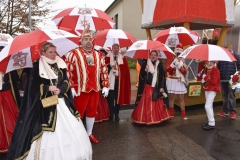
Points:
(91, 86)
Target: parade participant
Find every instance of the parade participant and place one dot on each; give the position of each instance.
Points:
(23, 80)
(102, 109)
(151, 111)
(49, 132)
(9, 107)
(228, 94)
(176, 81)
(211, 85)
(85, 66)
(119, 79)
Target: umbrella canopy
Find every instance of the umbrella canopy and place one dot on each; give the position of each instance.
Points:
(5, 39)
(108, 37)
(25, 49)
(77, 18)
(175, 35)
(141, 49)
(207, 52)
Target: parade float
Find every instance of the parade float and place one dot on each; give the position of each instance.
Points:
(219, 16)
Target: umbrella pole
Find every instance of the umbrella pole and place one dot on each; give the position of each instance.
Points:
(189, 63)
(193, 73)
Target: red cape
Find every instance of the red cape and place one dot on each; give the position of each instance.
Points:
(124, 85)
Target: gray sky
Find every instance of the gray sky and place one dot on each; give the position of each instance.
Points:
(64, 4)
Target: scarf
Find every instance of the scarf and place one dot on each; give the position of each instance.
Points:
(45, 70)
(153, 70)
(111, 75)
(178, 73)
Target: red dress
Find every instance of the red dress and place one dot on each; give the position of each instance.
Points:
(8, 117)
(148, 111)
(102, 110)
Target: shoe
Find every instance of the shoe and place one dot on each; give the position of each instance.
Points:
(171, 112)
(117, 118)
(184, 115)
(204, 125)
(233, 115)
(223, 114)
(208, 127)
(93, 139)
(110, 117)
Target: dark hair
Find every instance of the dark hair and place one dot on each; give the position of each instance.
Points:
(1, 47)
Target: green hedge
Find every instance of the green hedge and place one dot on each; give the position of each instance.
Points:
(131, 63)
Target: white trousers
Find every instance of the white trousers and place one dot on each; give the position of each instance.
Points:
(210, 95)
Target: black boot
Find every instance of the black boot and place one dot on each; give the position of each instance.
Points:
(111, 117)
(117, 117)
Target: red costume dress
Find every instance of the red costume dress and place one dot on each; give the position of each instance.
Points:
(119, 84)
(84, 70)
(150, 111)
(9, 102)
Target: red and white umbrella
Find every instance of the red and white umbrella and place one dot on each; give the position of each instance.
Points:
(207, 52)
(141, 49)
(5, 39)
(26, 48)
(175, 35)
(77, 18)
(108, 37)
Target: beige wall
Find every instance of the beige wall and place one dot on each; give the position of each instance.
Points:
(117, 9)
(130, 17)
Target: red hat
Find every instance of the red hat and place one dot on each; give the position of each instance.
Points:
(178, 48)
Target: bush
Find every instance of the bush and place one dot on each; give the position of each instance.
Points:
(131, 63)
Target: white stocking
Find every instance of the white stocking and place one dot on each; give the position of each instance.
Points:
(89, 124)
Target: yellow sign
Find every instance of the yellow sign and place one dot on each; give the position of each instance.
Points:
(194, 90)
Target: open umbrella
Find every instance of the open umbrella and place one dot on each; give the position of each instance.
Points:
(25, 49)
(141, 49)
(77, 18)
(175, 35)
(5, 39)
(106, 38)
(207, 52)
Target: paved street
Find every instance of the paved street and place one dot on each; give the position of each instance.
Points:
(175, 139)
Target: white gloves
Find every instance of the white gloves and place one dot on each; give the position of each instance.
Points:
(115, 72)
(204, 75)
(74, 94)
(105, 91)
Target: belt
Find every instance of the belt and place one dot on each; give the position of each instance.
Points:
(174, 77)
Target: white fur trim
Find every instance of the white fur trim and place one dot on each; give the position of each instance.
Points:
(153, 70)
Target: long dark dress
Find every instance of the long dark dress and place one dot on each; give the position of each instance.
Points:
(148, 111)
(34, 120)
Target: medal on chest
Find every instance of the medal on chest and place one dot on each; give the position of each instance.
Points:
(89, 59)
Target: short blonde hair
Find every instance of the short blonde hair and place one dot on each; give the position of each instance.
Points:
(46, 46)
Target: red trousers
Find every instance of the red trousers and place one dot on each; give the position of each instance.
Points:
(88, 103)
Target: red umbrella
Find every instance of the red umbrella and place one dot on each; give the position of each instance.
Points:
(175, 35)
(141, 49)
(77, 18)
(5, 39)
(25, 49)
(107, 37)
(207, 52)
